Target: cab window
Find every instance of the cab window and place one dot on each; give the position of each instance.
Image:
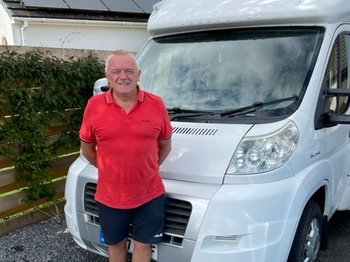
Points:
(337, 74)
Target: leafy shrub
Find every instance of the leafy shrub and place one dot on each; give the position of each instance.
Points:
(41, 103)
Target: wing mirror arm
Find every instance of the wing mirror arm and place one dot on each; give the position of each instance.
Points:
(338, 119)
(335, 119)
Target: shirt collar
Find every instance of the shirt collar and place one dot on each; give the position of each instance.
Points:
(140, 95)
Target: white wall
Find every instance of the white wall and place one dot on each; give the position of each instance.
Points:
(79, 34)
(5, 27)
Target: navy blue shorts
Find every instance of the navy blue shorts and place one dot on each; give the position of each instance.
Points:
(144, 223)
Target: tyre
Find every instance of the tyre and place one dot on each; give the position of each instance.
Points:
(307, 240)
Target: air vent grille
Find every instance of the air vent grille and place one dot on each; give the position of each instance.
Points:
(195, 131)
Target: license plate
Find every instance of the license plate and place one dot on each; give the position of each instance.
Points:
(130, 245)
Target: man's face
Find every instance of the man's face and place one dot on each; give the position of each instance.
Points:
(123, 74)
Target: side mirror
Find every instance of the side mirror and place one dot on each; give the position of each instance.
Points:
(101, 85)
(338, 118)
(327, 119)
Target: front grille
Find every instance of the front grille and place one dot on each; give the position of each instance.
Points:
(177, 215)
(90, 205)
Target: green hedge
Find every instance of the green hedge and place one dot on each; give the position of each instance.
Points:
(39, 94)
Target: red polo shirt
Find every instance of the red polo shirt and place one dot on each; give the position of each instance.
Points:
(127, 147)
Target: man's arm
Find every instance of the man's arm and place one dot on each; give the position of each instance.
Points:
(88, 150)
(164, 150)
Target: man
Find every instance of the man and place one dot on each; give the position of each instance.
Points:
(126, 134)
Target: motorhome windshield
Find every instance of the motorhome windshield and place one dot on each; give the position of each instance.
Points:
(226, 70)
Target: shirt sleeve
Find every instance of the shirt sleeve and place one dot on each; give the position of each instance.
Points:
(86, 133)
(167, 129)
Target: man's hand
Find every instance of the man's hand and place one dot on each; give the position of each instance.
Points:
(88, 150)
(164, 150)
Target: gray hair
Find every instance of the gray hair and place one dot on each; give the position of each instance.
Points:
(120, 52)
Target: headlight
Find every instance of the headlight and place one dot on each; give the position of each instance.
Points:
(264, 153)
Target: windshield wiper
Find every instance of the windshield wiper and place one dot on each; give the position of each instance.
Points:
(178, 112)
(253, 107)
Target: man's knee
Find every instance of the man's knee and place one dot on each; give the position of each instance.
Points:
(141, 246)
(118, 251)
(142, 252)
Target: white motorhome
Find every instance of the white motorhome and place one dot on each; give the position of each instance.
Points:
(258, 94)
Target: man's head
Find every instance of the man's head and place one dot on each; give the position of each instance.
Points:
(122, 71)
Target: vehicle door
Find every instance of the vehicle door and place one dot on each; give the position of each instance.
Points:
(335, 137)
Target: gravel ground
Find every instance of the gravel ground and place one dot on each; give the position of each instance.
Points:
(44, 242)
(49, 241)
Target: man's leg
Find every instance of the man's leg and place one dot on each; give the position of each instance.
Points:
(142, 252)
(115, 227)
(117, 252)
(147, 228)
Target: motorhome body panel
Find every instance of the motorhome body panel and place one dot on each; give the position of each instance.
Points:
(256, 222)
(179, 16)
(201, 152)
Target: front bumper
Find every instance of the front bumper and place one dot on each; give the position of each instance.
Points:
(254, 222)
